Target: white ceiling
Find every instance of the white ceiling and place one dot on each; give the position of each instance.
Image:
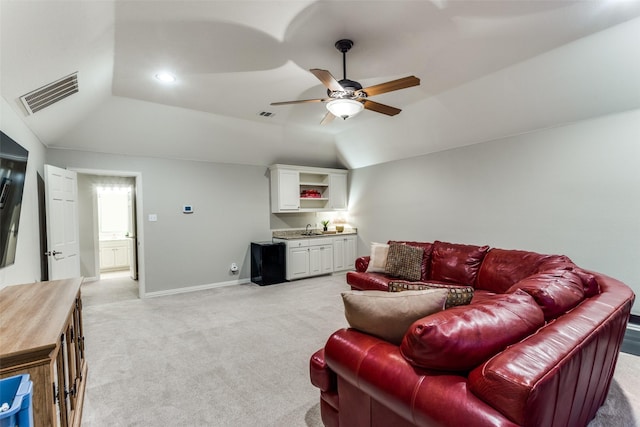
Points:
(233, 58)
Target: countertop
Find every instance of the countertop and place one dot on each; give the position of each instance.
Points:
(298, 234)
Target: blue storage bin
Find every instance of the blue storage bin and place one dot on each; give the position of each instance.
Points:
(16, 392)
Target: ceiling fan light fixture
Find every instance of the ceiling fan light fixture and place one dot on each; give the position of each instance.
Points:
(344, 108)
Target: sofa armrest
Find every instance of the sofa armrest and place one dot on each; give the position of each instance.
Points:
(321, 376)
(362, 263)
(571, 359)
(377, 368)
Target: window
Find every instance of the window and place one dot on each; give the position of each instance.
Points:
(114, 205)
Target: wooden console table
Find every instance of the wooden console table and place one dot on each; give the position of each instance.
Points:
(41, 335)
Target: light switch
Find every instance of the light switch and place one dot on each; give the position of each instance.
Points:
(153, 217)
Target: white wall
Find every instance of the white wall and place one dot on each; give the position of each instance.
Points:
(26, 268)
(231, 209)
(572, 190)
(587, 78)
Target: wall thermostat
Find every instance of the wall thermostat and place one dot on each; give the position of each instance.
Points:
(187, 209)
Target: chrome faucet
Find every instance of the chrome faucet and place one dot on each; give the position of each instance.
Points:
(306, 229)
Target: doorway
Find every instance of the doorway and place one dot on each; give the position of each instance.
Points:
(116, 229)
(109, 216)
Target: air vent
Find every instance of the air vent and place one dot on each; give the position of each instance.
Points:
(266, 114)
(45, 96)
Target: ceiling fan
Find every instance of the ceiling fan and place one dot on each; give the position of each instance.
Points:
(346, 98)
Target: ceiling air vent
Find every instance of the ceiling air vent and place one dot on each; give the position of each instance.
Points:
(266, 114)
(43, 97)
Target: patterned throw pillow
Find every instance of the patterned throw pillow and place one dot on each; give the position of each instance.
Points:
(404, 261)
(458, 295)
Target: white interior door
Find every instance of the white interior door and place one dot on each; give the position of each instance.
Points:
(61, 189)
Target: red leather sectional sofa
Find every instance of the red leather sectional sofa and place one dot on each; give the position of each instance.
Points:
(537, 346)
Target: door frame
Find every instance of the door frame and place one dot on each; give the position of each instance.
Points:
(139, 217)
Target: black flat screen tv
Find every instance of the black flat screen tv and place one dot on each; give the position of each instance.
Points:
(13, 169)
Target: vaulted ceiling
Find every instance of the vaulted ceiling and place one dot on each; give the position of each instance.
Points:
(488, 69)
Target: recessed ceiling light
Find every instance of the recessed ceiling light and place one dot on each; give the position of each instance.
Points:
(165, 77)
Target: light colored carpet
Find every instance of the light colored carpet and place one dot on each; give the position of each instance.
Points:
(234, 356)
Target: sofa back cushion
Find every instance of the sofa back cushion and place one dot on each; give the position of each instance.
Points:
(456, 263)
(502, 268)
(460, 338)
(426, 258)
(556, 292)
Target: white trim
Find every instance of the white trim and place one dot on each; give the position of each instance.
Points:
(195, 288)
(633, 327)
(90, 279)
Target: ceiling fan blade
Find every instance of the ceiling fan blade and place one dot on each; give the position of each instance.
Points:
(301, 101)
(328, 118)
(381, 108)
(402, 83)
(327, 79)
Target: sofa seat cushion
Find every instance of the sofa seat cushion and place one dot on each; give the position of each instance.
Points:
(426, 259)
(502, 268)
(556, 292)
(388, 315)
(456, 263)
(460, 338)
(458, 295)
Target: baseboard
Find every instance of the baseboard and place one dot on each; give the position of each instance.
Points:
(195, 288)
(89, 279)
(631, 343)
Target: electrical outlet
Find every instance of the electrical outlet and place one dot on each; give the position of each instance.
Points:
(234, 267)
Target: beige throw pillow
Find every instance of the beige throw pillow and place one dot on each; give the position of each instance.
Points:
(388, 315)
(378, 258)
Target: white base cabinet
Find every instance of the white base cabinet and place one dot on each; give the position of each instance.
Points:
(320, 259)
(114, 255)
(319, 255)
(344, 252)
(298, 260)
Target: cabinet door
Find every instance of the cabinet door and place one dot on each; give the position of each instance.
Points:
(338, 254)
(298, 263)
(338, 191)
(344, 253)
(288, 190)
(350, 252)
(326, 259)
(315, 260)
(121, 256)
(107, 258)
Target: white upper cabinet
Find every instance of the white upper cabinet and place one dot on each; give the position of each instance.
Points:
(284, 190)
(306, 189)
(338, 191)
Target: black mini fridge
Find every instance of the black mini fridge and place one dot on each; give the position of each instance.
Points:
(268, 263)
